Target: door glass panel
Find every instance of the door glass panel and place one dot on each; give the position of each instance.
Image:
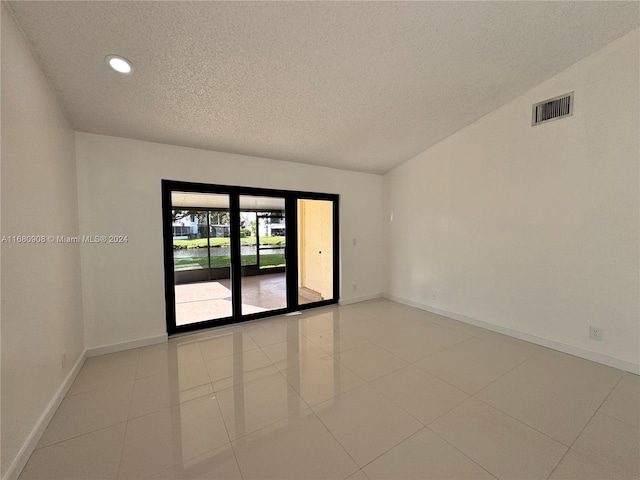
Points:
(315, 251)
(262, 248)
(201, 257)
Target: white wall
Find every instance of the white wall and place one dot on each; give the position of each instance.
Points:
(119, 193)
(533, 229)
(41, 291)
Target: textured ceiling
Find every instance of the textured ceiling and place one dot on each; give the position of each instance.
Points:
(355, 85)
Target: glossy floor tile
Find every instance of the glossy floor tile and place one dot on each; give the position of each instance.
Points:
(175, 435)
(95, 455)
(270, 332)
(298, 447)
(623, 403)
(422, 395)
(359, 475)
(612, 444)
(575, 466)
(329, 318)
(322, 379)
(231, 341)
(106, 370)
(425, 456)
(372, 390)
(370, 361)
(500, 444)
(454, 325)
(185, 350)
(165, 357)
(157, 392)
(420, 342)
(336, 341)
(88, 412)
(556, 416)
(236, 366)
(293, 354)
(474, 363)
(366, 423)
(219, 463)
(254, 405)
(572, 377)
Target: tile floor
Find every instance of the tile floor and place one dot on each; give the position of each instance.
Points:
(196, 302)
(374, 390)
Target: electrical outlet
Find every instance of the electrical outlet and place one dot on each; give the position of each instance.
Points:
(355, 287)
(354, 241)
(64, 358)
(595, 333)
(434, 295)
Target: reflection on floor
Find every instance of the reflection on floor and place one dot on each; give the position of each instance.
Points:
(197, 302)
(372, 390)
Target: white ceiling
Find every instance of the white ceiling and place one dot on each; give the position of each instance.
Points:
(205, 200)
(213, 200)
(355, 85)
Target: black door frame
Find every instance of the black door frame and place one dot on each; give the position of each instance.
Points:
(291, 198)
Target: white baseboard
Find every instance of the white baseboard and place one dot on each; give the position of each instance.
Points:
(119, 347)
(364, 298)
(545, 342)
(18, 463)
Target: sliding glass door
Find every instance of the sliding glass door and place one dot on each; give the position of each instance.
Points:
(239, 253)
(263, 253)
(200, 243)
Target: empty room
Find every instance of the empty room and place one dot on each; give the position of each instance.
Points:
(320, 240)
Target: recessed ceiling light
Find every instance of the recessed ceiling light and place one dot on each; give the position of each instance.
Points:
(120, 64)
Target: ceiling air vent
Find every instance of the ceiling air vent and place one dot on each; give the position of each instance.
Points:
(552, 109)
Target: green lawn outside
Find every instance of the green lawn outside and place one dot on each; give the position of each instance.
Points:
(266, 260)
(220, 242)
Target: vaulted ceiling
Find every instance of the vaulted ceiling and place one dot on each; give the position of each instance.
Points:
(356, 85)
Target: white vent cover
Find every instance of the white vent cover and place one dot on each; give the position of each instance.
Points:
(552, 109)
